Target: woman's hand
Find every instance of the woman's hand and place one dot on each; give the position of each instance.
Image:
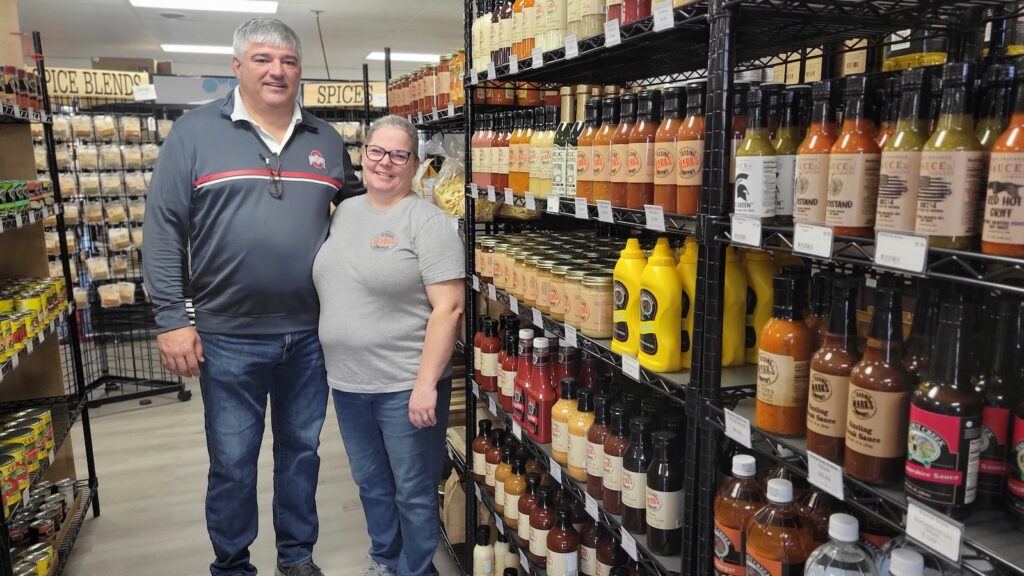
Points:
(422, 403)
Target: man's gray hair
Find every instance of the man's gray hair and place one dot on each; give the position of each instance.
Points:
(269, 31)
(398, 123)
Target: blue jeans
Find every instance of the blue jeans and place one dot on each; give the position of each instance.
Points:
(398, 468)
(239, 373)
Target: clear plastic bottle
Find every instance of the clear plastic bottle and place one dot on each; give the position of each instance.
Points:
(902, 558)
(843, 555)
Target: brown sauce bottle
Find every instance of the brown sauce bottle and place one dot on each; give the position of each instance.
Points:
(515, 487)
(736, 502)
(665, 150)
(615, 446)
(563, 545)
(600, 159)
(922, 331)
(590, 537)
(640, 154)
(830, 376)
(526, 504)
(778, 539)
(542, 520)
(609, 554)
(664, 506)
(493, 457)
(634, 475)
(817, 506)
(618, 175)
(689, 154)
(480, 445)
(501, 473)
(596, 436)
(821, 302)
(879, 399)
(1001, 394)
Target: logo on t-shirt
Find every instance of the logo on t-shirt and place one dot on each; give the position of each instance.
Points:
(383, 242)
(316, 160)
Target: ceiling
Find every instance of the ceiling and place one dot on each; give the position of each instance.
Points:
(74, 31)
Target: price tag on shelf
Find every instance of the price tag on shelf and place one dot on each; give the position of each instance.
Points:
(654, 217)
(513, 66)
(434, 114)
(571, 336)
(572, 47)
(15, 360)
(492, 293)
(513, 304)
(517, 430)
(746, 230)
(510, 198)
(612, 37)
(32, 217)
(474, 192)
(522, 560)
(51, 457)
(530, 203)
(538, 58)
(451, 109)
(491, 72)
(17, 219)
(737, 427)
(825, 475)
(604, 211)
(628, 542)
(17, 111)
(476, 488)
(491, 407)
(812, 240)
(553, 204)
(473, 78)
(476, 390)
(663, 15)
(556, 470)
(492, 194)
(538, 318)
(499, 525)
(30, 344)
(631, 367)
(581, 208)
(936, 531)
(476, 283)
(903, 252)
(1, 225)
(591, 506)
(419, 117)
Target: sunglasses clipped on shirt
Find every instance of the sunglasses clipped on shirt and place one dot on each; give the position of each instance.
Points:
(398, 157)
(276, 185)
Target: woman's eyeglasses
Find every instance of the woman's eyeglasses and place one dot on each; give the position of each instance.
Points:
(398, 157)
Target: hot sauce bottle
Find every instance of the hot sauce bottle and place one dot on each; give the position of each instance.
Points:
(499, 154)
(1003, 231)
(560, 413)
(665, 150)
(1001, 393)
(689, 153)
(579, 423)
(830, 375)
(922, 331)
(811, 179)
(787, 142)
(585, 151)
(994, 112)
(633, 10)
(523, 374)
(615, 446)
(542, 520)
(735, 504)
(634, 475)
(480, 444)
(526, 504)
(899, 176)
(879, 398)
(663, 497)
(778, 539)
(618, 174)
(739, 125)
(501, 473)
(596, 435)
(541, 396)
(600, 160)
(952, 168)
(1015, 481)
(783, 364)
(515, 487)
(640, 154)
(478, 338)
(519, 170)
(493, 457)
(889, 108)
(507, 372)
(490, 346)
(563, 545)
(853, 166)
(756, 167)
(945, 438)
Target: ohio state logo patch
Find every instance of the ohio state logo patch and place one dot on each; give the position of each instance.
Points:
(316, 160)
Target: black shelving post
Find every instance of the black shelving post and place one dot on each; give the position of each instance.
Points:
(470, 307)
(366, 95)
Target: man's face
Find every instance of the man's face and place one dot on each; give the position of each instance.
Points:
(269, 76)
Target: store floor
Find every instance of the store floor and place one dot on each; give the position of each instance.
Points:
(152, 466)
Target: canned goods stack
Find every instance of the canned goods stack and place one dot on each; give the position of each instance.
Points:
(26, 307)
(20, 196)
(33, 530)
(21, 88)
(26, 441)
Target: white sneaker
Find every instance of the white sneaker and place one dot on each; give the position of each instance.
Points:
(374, 568)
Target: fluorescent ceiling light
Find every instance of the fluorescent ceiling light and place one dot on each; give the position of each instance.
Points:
(197, 49)
(405, 57)
(251, 6)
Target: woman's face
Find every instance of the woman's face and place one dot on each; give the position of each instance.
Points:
(384, 175)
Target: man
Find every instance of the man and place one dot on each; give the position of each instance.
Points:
(238, 207)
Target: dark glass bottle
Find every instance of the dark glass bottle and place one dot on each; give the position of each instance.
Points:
(596, 436)
(542, 520)
(526, 504)
(634, 475)
(615, 446)
(816, 507)
(563, 544)
(664, 508)
(922, 331)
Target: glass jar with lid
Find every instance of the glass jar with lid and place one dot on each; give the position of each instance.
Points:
(596, 305)
(517, 265)
(573, 289)
(444, 82)
(500, 267)
(557, 296)
(544, 285)
(487, 259)
(530, 277)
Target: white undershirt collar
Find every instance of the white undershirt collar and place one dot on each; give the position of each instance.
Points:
(240, 112)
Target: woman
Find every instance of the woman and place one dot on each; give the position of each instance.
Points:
(390, 281)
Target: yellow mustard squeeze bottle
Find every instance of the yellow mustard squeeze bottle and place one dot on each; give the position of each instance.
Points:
(760, 268)
(660, 311)
(687, 270)
(626, 298)
(734, 315)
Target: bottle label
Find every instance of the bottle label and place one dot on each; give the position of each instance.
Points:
(577, 451)
(617, 163)
(489, 365)
(518, 408)
(943, 454)
(486, 161)
(572, 10)
(758, 565)
(558, 171)
(512, 506)
(664, 509)
(539, 542)
(533, 161)
(497, 271)
(648, 314)
(995, 431)
(583, 156)
(499, 493)
(501, 158)
(612, 468)
(508, 383)
(603, 569)
(517, 28)
(781, 381)
(756, 187)
(1015, 483)
(506, 33)
(571, 170)
(810, 188)
(1004, 217)
(689, 162)
(728, 555)
(560, 436)
(852, 189)
(595, 459)
(664, 164)
(640, 163)
(546, 162)
(634, 489)
(489, 474)
(479, 463)
(562, 564)
(526, 159)
(876, 422)
(826, 404)
(599, 160)
(532, 416)
(588, 560)
(523, 530)
(620, 299)
(592, 8)
(898, 180)
(948, 193)
(786, 180)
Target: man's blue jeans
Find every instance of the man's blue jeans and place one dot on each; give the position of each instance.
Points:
(398, 468)
(239, 373)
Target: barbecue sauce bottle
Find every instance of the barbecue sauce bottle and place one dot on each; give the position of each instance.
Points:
(560, 414)
(665, 151)
(634, 475)
(664, 497)
(579, 424)
(787, 142)
(783, 365)
(542, 520)
(615, 446)
(736, 502)
(480, 444)
(778, 539)
(596, 435)
(493, 457)
(922, 331)
(585, 151)
(501, 473)
(690, 151)
(515, 487)
(600, 160)
(640, 155)
(526, 504)
(563, 545)
(618, 175)
(507, 372)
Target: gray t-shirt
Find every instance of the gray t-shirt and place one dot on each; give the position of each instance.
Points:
(370, 276)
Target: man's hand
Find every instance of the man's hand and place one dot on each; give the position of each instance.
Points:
(181, 351)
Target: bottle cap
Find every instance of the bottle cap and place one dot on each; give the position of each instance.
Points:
(627, 106)
(695, 95)
(673, 100)
(821, 90)
(887, 326)
(511, 572)
(569, 388)
(540, 342)
(780, 491)
(632, 249)
(755, 97)
(906, 562)
(497, 437)
(585, 401)
(856, 86)
(955, 74)
(649, 104)
(562, 343)
(502, 538)
(484, 427)
(525, 333)
(843, 527)
(483, 535)
(663, 438)
(662, 254)
(744, 466)
(639, 424)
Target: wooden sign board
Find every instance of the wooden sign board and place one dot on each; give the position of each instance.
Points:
(338, 94)
(97, 84)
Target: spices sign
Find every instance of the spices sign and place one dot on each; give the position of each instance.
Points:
(88, 83)
(338, 94)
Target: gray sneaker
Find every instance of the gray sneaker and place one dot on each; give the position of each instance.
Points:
(374, 568)
(304, 569)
